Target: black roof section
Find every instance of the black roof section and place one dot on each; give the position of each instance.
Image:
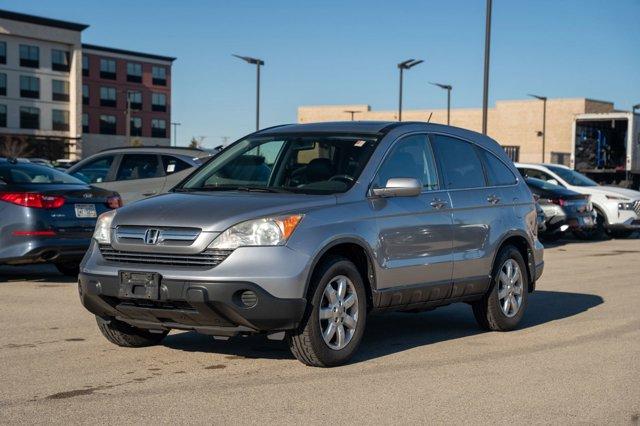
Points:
(127, 52)
(363, 127)
(39, 20)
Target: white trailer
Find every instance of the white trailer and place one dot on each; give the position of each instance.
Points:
(606, 147)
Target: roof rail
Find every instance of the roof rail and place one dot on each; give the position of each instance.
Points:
(153, 146)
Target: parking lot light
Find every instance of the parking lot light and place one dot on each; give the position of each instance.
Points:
(544, 121)
(405, 65)
(258, 63)
(448, 88)
(352, 112)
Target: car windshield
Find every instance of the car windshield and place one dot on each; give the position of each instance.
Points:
(300, 163)
(26, 173)
(572, 177)
(542, 184)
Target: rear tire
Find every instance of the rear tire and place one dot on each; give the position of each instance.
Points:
(69, 269)
(502, 308)
(127, 336)
(334, 323)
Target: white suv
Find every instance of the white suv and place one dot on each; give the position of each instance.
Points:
(617, 209)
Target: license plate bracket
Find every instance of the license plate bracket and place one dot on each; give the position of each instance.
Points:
(86, 211)
(139, 285)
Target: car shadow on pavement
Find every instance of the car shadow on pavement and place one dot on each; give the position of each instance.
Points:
(40, 273)
(396, 332)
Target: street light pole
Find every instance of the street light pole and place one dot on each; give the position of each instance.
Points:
(485, 88)
(258, 63)
(127, 114)
(544, 121)
(408, 64)
(448, 88)
(175, 133)
(352, 112)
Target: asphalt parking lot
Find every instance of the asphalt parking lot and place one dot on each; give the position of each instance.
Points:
(575, 359)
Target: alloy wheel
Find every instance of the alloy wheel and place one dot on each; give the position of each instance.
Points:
(510, 288)
(338, 313)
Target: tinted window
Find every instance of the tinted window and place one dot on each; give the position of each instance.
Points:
(497, 173)
(139, 166)
(410, 157)
(31, 173)
(173, 164)
(95, 171)
(533, 173)
(461, 166)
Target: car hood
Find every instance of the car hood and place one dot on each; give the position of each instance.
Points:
(214, 212)
(613, 190)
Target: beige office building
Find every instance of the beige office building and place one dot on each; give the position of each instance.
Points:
(515, 124)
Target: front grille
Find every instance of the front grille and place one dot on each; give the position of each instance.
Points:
(205, 259)
(636, 207)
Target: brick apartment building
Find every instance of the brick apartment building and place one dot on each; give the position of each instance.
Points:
(60, 98)
(109, 76)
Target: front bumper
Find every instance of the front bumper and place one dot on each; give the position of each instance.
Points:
(207, 307)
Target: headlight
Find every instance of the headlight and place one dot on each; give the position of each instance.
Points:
(102, 233)
(625, 206)
(268, 231)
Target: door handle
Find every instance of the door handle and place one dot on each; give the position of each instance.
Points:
(149, 194)
(438, 203)
(493, 199)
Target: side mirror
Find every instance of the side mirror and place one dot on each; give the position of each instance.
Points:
(399, 187)
(553, 182)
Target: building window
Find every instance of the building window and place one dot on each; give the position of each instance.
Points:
(60, 60)
(29, 87)
(108, 124)
(159, 75)
(3, 52)
(108, 96)
(29, 118)
(560, 158)
(85, 94)
(135, 128)
(513, 152)
(3, 84)
(108, 69)
(135, 100)
(29, 56)
(158, 102)
(60, 90)
(60, 120)
(3, 116)
(85, 66)
(85, 123)
(134, 72)
(158, 128)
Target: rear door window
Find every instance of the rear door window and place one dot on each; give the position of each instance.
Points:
(96, 171)
(461, 166)
(139, 166)
(498, 174)
(173, 164)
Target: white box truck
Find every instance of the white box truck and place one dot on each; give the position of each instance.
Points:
(606, 147)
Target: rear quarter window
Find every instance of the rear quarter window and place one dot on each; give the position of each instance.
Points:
(498, 174)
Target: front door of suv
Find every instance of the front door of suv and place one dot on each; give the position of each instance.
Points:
(414, 233)
(478, 213)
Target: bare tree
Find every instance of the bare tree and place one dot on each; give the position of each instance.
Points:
(14, 146)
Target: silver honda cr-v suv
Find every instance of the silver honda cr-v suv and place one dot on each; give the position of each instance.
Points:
(301, 231)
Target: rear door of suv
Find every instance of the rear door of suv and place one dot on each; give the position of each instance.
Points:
(479, 211)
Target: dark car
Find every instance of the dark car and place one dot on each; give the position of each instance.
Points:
(563, 209)
(47, 215)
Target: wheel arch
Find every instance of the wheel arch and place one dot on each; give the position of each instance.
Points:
(521, 242)
(354, 249)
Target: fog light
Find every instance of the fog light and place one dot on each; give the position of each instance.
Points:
(248, 298)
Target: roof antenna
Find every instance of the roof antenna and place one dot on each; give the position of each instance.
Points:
(429, 119)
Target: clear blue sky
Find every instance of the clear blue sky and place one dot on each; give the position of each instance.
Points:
(334, 52)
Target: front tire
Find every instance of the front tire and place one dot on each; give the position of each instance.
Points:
(334, 323)
(127, 336)
(69, 269)
(502, 308)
